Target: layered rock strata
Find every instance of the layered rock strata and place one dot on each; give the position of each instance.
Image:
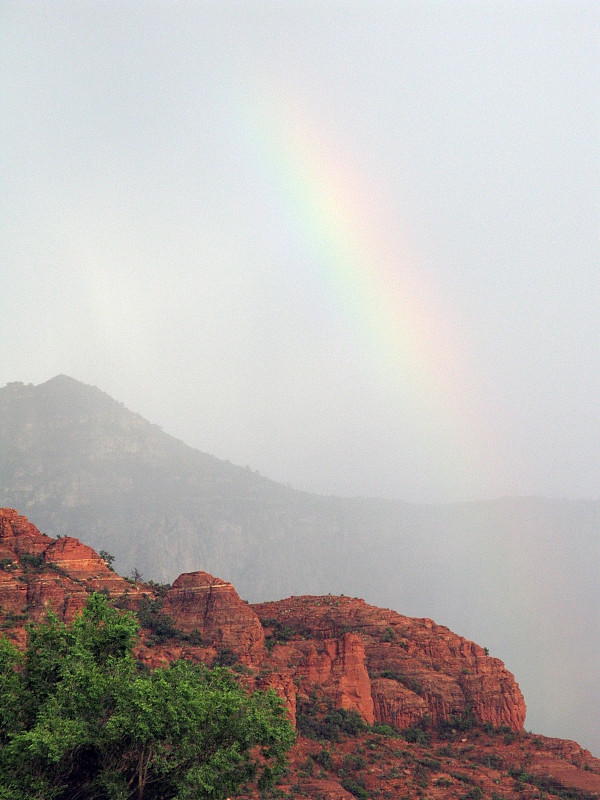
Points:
(414, 668)
(389, 668)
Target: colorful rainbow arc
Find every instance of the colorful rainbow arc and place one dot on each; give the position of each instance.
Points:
(363, 260)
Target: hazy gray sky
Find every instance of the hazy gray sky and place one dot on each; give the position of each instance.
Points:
(353, 245)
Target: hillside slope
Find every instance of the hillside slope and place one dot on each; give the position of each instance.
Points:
(518, 574)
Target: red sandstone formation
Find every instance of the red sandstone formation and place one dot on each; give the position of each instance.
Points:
(82, 563)
(389, 668)
(199, 602)
(416, 668)
(18, 535)
(39, 573)
(336, 667)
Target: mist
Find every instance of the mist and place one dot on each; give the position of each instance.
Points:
(353, 247)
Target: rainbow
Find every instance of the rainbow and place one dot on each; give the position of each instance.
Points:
(360, 253)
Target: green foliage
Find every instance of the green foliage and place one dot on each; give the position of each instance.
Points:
(418, 733)
(389, 635)
(411, 683)
(280, 632)
(226, 658)
(159, 588)
(33, 563)
(318, 720)
(80, 719)
(382, 729)
(457, 723)
(473, 794)
(10, 685)
(492, 761)
(354, 762)
(431, 763)
(307, 768)
(161, 625)
(12, 620)
(355, 786)
(324, 758)
(194, 637)
(107, 558)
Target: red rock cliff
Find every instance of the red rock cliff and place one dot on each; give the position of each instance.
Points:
(389, 668)
(39, 573)
(198, 601)
(414, 667)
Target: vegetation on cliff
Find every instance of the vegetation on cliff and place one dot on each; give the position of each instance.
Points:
(385, 706)
(80, 719)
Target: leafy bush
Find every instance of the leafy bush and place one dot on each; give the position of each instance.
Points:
(417, 734)
(33, 563)
(431, 763)
(411, 683)
(108, 558)
(280, 632)
(389, 635)
(384, 730)
(159, 588)
(355, 786)
(161, 625)
(473, 794)
(318, 720)
(12, 620)
(353, 762)
(80, 719)
(194, 637)
(457, 722)
(492, 761)
(226, 658)
(324, 758)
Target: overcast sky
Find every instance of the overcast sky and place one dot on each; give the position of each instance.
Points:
(354, 245)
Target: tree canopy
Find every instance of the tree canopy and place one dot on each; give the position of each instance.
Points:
(80, 719)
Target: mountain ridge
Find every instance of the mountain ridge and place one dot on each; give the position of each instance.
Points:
(519, 575)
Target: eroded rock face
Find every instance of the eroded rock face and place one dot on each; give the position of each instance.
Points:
(18, 535)
(415, 667)
(200, 602)
(389, 668)
(38, 573)
(81, 562)
(336, 667)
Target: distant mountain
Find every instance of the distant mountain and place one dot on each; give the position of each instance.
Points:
(519, 575)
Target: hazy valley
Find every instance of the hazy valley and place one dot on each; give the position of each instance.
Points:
(517, 575)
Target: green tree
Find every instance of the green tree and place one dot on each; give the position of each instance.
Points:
(107, 557)
(79, 720)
